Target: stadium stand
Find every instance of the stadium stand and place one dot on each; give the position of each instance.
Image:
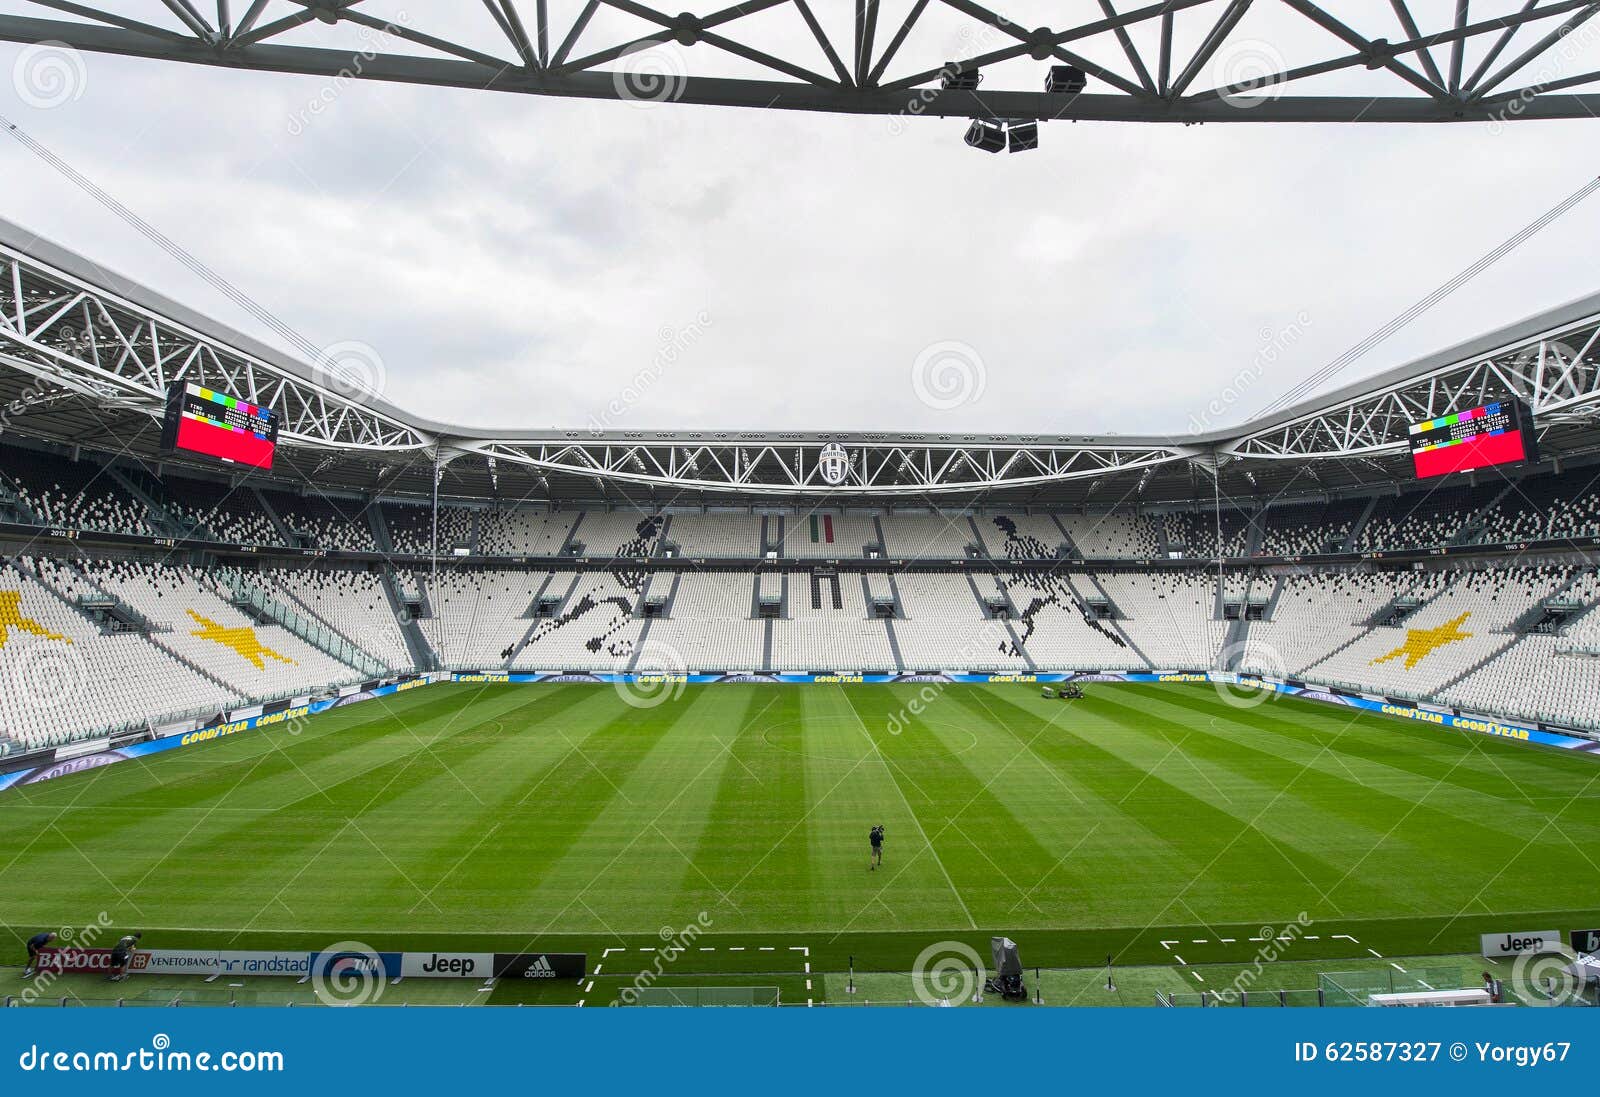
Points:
(716, 536)
(1112, 536)
(173, 638)
(191, 617)
(912, 537)
(596, 629)
(1301, 529)
(1197, 533)
(619, 533)
(1544, 508)
(324, 521)
(81, 495)
(1416, 519)
(66, 677)
(524, 531)
(830, 535)
(411, 529)
(218, 512)
(350, 601)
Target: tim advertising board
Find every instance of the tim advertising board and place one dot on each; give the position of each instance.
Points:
(1530, 942)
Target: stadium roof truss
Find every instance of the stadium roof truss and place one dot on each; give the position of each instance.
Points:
(1554, 372)
(764, 465)
(1171, 61)
(77, 339)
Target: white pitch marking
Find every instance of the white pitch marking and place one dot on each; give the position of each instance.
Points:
(609, 951)
(597, 969)
(590, 987)
(1168, 945)
(1285, 938)
(765, 948)
(580, 1003)
(808, 1001)
(1197, 977)
(1397, 967)
(1313, 937)
(1492, 960)
(1226, 940)
(736, 948)
(1258, 938)
(808, 985)
(801, 948)
(708, 948)
(1345, 937)
(1376, 953)
(642, 949)
(808, 967)
(1425, 983)
(1200, 941)
(1180, 959)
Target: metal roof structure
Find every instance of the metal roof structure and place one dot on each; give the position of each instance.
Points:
(1187, 61)
(86, 357)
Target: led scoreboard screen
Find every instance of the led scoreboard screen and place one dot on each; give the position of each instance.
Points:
(1494, 434)
(200, 420)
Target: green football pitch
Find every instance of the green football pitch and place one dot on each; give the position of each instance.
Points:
(1156, 823)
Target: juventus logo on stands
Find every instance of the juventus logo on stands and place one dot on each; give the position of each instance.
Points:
(833, 463)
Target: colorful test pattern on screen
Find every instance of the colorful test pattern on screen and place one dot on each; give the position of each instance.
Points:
(1495, 434)
(200, 420)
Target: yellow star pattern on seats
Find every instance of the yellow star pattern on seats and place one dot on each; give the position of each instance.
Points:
(11, 618)
(243, 641)
(1421, 642)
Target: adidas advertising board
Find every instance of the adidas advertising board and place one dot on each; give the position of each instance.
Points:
(540, 965)
(1530, 942)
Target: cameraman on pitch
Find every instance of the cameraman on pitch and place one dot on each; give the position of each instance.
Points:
(877, 847)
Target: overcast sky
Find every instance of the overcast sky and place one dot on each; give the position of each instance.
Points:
(517, 261)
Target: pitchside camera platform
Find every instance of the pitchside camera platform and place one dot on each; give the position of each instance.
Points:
(201, 420)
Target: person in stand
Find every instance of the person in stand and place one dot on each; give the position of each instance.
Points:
(1496, 989)
(877, 847)
(36, 944)
(122, 956)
